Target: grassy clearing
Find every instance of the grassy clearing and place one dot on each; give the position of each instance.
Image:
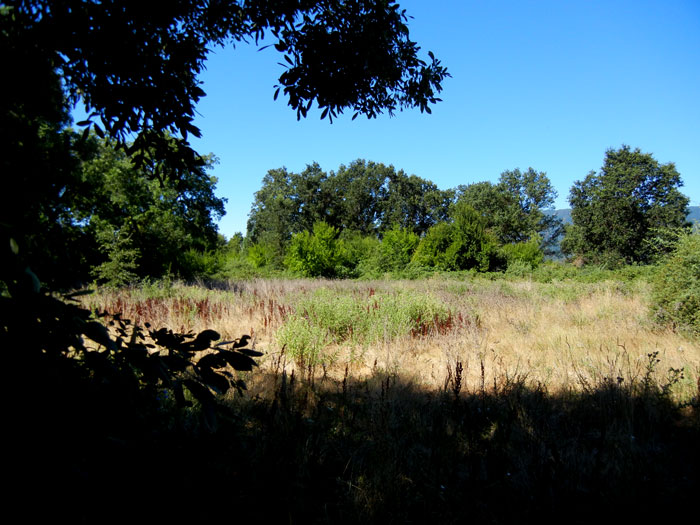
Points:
(559, 334)
(430, 401)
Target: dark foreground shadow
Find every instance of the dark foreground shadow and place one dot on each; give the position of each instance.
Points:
(378, 450)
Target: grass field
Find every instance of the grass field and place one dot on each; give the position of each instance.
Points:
(560, 335)
(431, 401)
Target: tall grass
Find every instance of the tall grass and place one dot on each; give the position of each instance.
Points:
(557, 332)
(547, 401)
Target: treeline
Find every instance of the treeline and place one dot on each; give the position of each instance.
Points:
(105, 217)
(108, 218)
(368, 219)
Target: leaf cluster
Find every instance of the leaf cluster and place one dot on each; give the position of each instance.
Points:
(617, 211)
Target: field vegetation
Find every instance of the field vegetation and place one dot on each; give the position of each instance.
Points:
(560, 334)
(440, 398)
(373, 349)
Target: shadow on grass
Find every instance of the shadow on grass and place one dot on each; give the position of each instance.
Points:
(304, 450)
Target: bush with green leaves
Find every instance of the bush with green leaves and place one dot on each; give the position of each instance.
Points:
(462, 244)
(676, 296)
(316, 254)
(397, 247)
(359, 252)
(260, 255)
(524, 254)
(392, 254)
(432, 250)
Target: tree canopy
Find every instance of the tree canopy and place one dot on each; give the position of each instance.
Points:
(514, 208)
(618, 210)
(365, 196)
(135, 68)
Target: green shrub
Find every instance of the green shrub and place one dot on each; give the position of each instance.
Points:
(676, 285)
(358, 252)
(397, 247)
(462, 244)
(316, 254)
(260, 255)
(431, 251)
(196, 263)
(523, 254)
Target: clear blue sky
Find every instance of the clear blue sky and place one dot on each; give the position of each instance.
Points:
(544, 84)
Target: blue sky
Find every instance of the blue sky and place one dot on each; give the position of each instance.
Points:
(544, 84)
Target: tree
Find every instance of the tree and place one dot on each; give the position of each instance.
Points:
(156, 219)
(617, 211)
(136, 70)
(513, 209)
(365, 196)
(414, 203)
(135, 67)
(356, 194)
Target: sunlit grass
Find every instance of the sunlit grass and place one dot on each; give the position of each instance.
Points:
(558, 334)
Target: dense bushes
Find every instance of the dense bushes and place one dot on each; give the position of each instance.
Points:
(317, 254)
(676, 297)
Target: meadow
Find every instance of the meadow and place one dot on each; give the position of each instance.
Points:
(562, 335)
(448, 399)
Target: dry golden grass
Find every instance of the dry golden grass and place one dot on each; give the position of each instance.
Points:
(559, 335)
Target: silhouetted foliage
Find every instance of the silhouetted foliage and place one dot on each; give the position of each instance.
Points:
(135, 68)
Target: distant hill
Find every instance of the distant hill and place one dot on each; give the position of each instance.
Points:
(694, 214)
(565, 215)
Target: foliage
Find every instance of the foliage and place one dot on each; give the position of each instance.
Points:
(472, 246)
(616, 211)
(261, 254)
(162, 217)
(342, 55)
(316, 254)
(122, 259)
(365, 197)
(414, 203)
(462, 244)
(146, 88)
(514, 208)
(359, 252)
(276, 211)
(676, 296)
(432, 250)
(394, 252)
(527, 253)
(70, 346)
